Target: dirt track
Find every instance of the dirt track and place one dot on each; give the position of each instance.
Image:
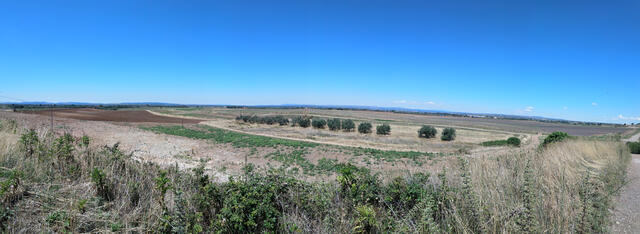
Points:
(626, 216)
(135, 116)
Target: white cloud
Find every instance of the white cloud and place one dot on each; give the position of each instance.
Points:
(528, 109)
(594, 104)
(628, 118)
(414, 103)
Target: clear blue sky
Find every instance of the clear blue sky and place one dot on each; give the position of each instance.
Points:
(577, 60)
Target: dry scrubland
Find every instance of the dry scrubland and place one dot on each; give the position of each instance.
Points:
(60, 184)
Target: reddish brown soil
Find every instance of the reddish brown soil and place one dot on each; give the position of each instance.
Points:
(136, 116)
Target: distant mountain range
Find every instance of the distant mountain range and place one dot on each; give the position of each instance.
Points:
(351, 107)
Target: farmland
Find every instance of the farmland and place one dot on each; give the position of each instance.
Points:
(225, 145)
(210, 155)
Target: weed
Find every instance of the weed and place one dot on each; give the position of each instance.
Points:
(555, 137)
(29, 141)
(511, 141)
(101, 183)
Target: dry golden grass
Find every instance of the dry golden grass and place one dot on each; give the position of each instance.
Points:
(558, 170)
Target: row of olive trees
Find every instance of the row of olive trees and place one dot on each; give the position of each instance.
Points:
(279, 119)
(348, 125)
(336, 124)
(448, 134)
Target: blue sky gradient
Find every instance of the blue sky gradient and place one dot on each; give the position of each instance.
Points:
(577, 60)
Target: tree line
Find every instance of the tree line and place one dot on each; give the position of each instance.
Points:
(337, 124)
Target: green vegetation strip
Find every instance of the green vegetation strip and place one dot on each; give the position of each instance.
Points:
(495, 143)
(634, 147)
(223, 136)
(248, 140)
(512, 141)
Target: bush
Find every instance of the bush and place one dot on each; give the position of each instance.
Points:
(634, 147)
(84, 141)
(319, 123)
(334, 124)
(279, 119)
(366, 221)
(99, 179)
(403, 194)
(364, 128)
(302, 121)
(63, 147)
(383, 129)
(555, 137)
(427, 132)
(514, 141)
(29, 141)
(282, 120)
(348, 125)
(359, 185)
(448, 134)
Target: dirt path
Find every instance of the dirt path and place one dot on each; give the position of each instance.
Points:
(634, 138)
(626, 216)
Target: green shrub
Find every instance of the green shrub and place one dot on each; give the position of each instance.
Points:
(383, 129)
(634, 147)
(252, 205)
(100, 182)
(281, 120)
(302, 121)
(514, 141)
(60, 221)
(526, 220)
(10, 185)
(358, 185)
(555, 137)
(208, 197)
(364, 128)
(448, 134)
(63, 147)
(319, 123)
(403, 194)
(348, 125)
(163, 184)
(116, 227)
(84, 141)
(243, 118)
(29, 141)
(366, 221)
(334, 124)
(81, 205)
(427, 132)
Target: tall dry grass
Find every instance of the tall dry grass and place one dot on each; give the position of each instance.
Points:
(558, 173)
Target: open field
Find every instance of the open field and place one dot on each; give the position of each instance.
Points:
(505, 125)
(163, 177)
(133, 116)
